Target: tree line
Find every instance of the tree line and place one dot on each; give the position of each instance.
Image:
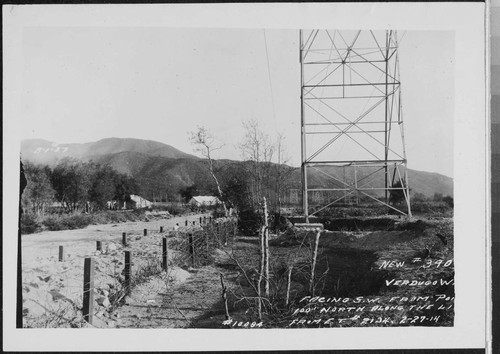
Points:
(75, 186)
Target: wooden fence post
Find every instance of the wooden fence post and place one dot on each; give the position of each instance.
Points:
(127, 271)
(224, 296)
(161, 229)
(164, 254)
(315, 256)
(145, 232)
(98, 245)
(124, 239)
(207, 243)
(200, 220)
(224, 227)
(194, 222)
(266, 247)
(288, 283)
(191, 250)
(88, 290)
(61, 254)
(186, 223)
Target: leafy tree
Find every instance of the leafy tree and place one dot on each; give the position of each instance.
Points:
(237, 194)
(124, 187)
(103, 188)
(39, 192)
(437, 197)
(189, 192)
(72, 181)
(419, 197)
(449, 201)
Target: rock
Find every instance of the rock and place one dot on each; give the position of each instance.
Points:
(56, 295)
(103, 301)
(112, 247)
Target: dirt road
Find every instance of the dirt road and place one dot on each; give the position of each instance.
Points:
(81, 242)
(52, 289)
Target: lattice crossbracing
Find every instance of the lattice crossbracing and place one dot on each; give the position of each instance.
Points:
(351, 119)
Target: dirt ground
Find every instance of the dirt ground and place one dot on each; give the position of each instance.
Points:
(53, 290)
(350, 264)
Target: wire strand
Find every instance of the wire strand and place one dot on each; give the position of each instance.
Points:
(269, 76)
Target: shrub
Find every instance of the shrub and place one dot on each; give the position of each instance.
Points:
(77, 221)
(67, 222)
(361, 210)
(52, 223)
(249, 222)
(430, 207)
(177, 210)
(29, 224)
(449, 201)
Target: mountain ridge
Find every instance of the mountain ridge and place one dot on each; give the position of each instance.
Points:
(45, 151)
(161, 168)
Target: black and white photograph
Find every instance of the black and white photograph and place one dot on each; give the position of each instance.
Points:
(256, 177)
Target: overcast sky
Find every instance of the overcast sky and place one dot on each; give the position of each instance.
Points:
(83, 84)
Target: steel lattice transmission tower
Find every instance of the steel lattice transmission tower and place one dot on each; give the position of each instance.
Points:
(353, 148)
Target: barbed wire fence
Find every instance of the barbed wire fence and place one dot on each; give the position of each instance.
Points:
(112, 270)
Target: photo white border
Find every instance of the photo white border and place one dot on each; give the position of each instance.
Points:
(467, 20)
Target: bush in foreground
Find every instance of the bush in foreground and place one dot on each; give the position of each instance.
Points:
(29, 224)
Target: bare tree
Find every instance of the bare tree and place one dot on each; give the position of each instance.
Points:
(257, 150)
(205, 143)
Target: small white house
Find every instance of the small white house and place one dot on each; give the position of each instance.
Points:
(138, 202)
(204, 201)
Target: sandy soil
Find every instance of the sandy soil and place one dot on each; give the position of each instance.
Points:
(52, 290)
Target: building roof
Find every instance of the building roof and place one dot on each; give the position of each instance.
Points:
(202, 199)
(140, 200)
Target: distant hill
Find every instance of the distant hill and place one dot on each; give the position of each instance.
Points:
(426, 183)
(163, 170)
(43, 151)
